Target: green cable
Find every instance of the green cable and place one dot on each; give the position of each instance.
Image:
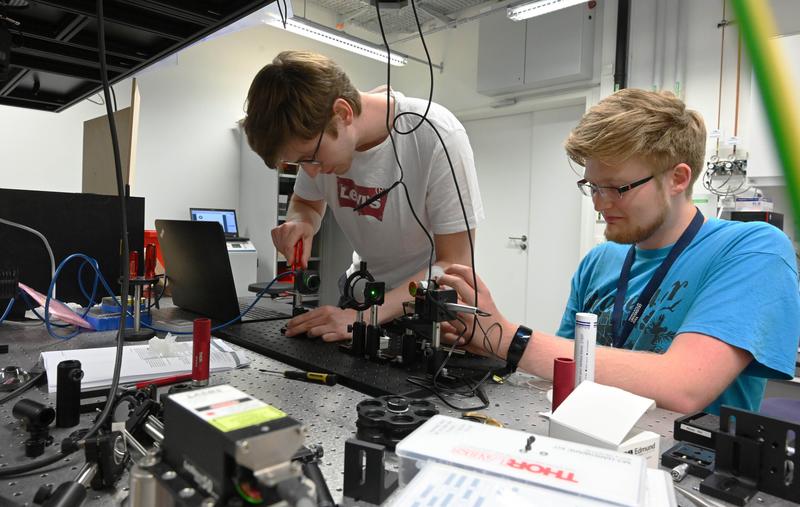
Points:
(757, 27)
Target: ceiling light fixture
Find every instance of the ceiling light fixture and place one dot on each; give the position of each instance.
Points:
(327, 35)
(531, 9)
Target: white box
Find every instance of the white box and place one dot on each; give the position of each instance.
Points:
(603, 416)
(438, 485)
(601, 476)
(753, 204)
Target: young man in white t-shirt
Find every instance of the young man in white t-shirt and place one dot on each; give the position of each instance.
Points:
(303, 112)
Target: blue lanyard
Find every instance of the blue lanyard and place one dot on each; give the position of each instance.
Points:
(621, 330)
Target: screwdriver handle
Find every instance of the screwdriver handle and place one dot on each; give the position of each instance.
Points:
(328, 379)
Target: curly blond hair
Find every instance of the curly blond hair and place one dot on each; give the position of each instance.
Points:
(655, 127)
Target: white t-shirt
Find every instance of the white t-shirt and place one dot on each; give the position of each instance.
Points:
(385, 234)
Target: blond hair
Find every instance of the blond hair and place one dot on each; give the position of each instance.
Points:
(655, 127)
(291, 98)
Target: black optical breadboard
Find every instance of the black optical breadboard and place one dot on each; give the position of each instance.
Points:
(312, 354)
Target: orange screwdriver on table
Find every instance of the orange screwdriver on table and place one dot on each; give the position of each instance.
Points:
(328, 379)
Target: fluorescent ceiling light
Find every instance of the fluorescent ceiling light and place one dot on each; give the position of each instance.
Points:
(531, 9)
(327, 35)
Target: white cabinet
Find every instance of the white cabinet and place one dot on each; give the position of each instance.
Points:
(542, 52)
(244, 265)
(559, 47)
(501, 54)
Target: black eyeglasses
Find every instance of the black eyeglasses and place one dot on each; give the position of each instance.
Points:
(589, 189)
(310, 165)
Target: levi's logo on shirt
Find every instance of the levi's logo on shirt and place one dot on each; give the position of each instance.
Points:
(351, 195)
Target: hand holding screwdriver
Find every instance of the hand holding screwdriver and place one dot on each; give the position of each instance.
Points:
(286, 236)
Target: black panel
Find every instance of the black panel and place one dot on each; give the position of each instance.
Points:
(54, 60)
(308, 354)
(72, 223)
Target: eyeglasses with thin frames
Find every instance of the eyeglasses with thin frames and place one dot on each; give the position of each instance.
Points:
(608, 193)
(310, 165)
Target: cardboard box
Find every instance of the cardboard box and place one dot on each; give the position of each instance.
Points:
(605, 417)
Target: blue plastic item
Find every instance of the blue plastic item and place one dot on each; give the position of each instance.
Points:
(103, 320)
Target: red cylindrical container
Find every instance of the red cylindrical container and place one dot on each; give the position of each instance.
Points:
(563, 379)
(150, 261)
(133, 264)
(201, 348)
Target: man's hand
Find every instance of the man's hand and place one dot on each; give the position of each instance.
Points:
(327, 322)
(286, 235)
(486, 339)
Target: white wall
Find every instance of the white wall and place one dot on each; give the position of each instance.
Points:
(188, 151)
(701, 89)
(455, 86)
(41, 150)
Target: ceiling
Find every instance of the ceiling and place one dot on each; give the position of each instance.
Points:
(54, 60)
(396, 21)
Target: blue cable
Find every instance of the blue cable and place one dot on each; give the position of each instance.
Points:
(32, 307)
(233, 320)
(99, 276)
(83, 290)
(94, 265)
(8, 309)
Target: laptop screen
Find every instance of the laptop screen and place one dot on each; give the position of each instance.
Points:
(225, 217)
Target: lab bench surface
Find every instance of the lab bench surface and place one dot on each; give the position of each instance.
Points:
(327, 412)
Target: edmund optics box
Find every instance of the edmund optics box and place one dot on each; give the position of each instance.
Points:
(603, 416)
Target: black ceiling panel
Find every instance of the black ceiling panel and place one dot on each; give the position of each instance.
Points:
(54, 61)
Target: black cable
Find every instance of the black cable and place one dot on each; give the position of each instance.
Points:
(101, 419)
(283, 13)
(101, 45)
(114, 96)
(34, 465)
(484, 400)
(389, 128)
(35, 377)
(423, 119)
(430, 71)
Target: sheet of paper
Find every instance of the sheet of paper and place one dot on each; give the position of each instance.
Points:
(138, 363)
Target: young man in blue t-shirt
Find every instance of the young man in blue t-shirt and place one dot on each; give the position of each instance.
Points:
(693, 312)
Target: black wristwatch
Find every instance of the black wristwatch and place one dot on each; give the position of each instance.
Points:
(518, 345)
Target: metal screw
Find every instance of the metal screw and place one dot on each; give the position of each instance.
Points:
(169, 475)
(148, 461)
(186, 492)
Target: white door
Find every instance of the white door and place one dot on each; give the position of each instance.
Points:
(502, 151)
(528, 190)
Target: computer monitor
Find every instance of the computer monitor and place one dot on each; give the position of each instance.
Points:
(72, 223)
(225, 217)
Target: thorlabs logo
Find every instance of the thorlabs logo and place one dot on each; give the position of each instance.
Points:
(516, 464)
(351, 195)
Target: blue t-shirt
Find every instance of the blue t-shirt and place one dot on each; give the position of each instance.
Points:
(736, 282)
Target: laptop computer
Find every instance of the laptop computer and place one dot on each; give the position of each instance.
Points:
(225, 217)
(199, 272)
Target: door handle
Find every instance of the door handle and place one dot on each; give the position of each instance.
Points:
(522, 238)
